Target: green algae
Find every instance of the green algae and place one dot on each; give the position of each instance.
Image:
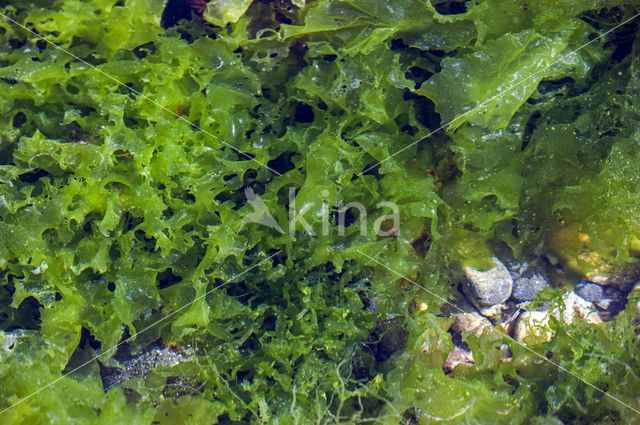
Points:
(115, 213)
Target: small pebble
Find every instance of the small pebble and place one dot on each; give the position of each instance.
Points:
(505, 353)
(527, 288)
(589, 291)
(489, 287)
(533, 326)
(470, 323)
(459, 355)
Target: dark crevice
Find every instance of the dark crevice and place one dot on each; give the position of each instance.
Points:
(304, 113)
(425, 111)
(450, 7)
(80, 361)
(174, 12)
(26, 316)
(167, 278)
(282, 163)
(19, 119)
(532, 123)
(33, 176)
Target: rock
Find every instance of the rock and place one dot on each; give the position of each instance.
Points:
(528, 278)
(533, 326)
(493, 313)
(622, 277)
(509, 318)
(527, 288)
(470, 323)
(459, 355)
(505, 353)
(612, 302)
(576, 252)
(552, 259)
(589, 291)
(611, 305)
(576, 305)
(489, 287)
(573, 248)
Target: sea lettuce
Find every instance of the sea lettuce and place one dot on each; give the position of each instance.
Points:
(125, 164)
(489, 85)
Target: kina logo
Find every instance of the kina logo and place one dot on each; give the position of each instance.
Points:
(260, 213)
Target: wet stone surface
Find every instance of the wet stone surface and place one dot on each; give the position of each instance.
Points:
(501, 297)
(529, 278)
(527, 288)
(489, 287)
(589, 291)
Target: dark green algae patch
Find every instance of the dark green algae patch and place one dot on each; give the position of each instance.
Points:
(115, 213)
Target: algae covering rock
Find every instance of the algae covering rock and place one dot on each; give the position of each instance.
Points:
(124, 169)
(533, 327)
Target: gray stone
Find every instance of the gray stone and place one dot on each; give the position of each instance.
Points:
(623, 277)
(589, 291)
(470, 323)
(489, 287)
(527, 288)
